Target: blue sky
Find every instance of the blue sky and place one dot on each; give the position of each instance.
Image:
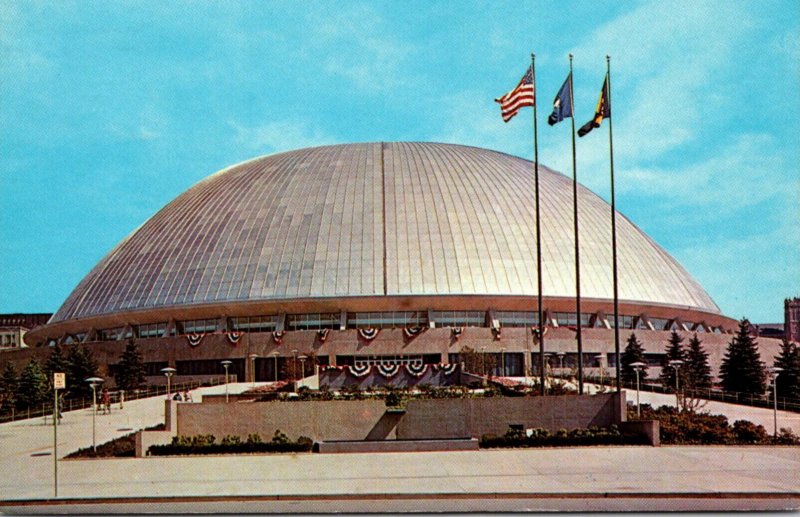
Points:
(109, 110)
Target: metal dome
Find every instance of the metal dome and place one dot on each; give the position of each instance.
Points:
(376, 219)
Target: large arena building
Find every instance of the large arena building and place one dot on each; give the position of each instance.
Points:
(309, 252)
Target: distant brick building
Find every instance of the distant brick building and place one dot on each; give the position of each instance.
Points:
(791, 319)
(14, 326)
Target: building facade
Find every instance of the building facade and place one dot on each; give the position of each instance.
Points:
(429, 247)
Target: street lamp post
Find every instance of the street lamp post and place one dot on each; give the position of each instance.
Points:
(775, 371)
(253, 369)
(637, 366)
(483, 361)
(275, 354)
(294, 365)
(676, 364)
(93, 382)
(303, 366)
(599, 359)
(168, 372)
(503, 361)
(560, 364)
(548, 368)
(226, 364)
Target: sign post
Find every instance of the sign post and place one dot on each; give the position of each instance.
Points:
(59, 383)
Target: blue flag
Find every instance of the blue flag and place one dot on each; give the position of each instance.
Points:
(562, 104)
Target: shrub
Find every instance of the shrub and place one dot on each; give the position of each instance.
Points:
(692, 428)
(393, 399)
(748, 432)
(543, 438)
(204, 444)
(786, 437)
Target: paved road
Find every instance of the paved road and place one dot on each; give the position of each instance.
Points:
(594, 478)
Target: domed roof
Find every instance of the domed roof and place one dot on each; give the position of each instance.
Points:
(376, 219)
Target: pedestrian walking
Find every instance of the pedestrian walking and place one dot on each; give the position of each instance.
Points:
(106, 402)
(121, 398)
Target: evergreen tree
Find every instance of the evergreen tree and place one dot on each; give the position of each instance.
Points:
(9, 382)
(130, 369)
(633, 353)
(55, 363)
(32, 386)
(675, 352)
(80, 366)
(741, 369)
(789, 378)
(698, 371)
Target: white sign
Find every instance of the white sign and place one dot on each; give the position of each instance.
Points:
(59, 381)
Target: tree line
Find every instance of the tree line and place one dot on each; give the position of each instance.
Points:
(741, 369)
(33, 386)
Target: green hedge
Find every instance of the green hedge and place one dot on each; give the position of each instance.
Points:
(206, 444)
(693, 428)
(122, 447)
(544, 438)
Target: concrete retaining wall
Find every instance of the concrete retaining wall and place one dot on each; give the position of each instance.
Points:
(144, 439)
(455, 418)
(328, 420)
(422, 419)
(400, 446)
(651, 429)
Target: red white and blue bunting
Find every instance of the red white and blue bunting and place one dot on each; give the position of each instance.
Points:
(456, 332)
(412, 332)
(388, 370)
(330, 367)
(194, 338)
(416, 369)
(449, 369)
(535, 332)
(359, 370)
(234, 337)
(368, 334)
(277, 336)
(323, 334)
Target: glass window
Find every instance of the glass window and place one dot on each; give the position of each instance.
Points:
(459, 318)
(517, 319)
(398, 319)
(313, 321)
(567, 319)
(109, 334)
(189, 326)
(152, 330)
(255, 323)
(659, 323)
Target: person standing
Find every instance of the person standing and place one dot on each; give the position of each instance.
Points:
(106, 402)
(121, 398)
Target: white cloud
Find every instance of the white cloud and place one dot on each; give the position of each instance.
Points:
(463, 124)
(724, 265)
(744, 173)
(21, 59)
(365, 53)
(149, 124)
(666, 60)
(278, 136)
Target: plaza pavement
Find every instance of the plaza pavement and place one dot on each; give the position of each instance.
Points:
(580, 479)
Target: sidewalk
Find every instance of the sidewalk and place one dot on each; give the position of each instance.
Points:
(447, 481)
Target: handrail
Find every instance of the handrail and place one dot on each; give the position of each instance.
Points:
(743, 399)
(72, 404)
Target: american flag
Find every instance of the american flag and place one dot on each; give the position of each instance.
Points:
(517, 98)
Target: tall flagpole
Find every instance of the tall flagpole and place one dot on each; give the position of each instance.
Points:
(613, 225)
(577, 243)
(538, 230)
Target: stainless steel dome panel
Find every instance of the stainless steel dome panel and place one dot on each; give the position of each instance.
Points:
(374, 219)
